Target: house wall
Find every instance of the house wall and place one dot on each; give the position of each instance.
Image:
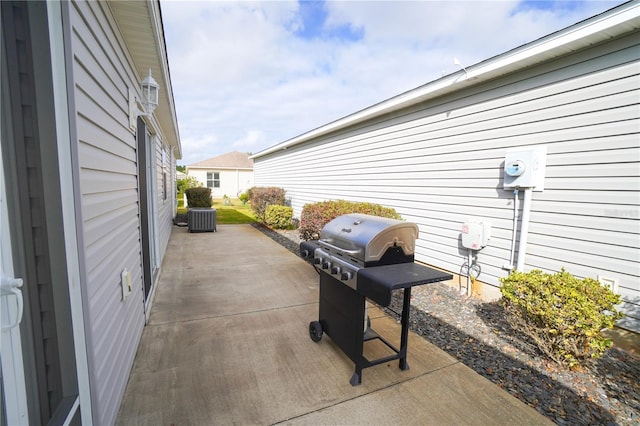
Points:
(441, 162)
(101, 75)
(232, 182)
(166, 195)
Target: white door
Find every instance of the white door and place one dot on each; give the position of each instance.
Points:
(13, 409)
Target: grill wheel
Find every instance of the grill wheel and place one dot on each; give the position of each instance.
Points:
(315, 331)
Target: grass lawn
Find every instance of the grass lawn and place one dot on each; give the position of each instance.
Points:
(232, 214)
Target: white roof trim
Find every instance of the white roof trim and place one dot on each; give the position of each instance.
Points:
(619, 20)
(141, 29)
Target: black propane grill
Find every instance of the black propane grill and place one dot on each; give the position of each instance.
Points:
(363, 257)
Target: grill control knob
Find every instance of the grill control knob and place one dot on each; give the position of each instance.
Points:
(346, 276)
(317, 260)
(335, 270)
(326, 265)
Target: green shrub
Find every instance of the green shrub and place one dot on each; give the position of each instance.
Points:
(244, 197)
(278, 217)
(261, 198)
(315, 216)
(562, 314)
(199, 197)
(186, 183)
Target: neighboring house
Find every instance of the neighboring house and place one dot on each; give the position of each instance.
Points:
(437, 153)
(87, 197)
(228, 174)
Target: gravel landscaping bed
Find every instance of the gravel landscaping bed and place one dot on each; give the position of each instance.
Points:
(475, 332)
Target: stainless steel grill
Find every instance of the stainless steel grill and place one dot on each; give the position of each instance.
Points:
(366, 239)
(363, 257)
(354, 241)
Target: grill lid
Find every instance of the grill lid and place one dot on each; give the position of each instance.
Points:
(366, 237)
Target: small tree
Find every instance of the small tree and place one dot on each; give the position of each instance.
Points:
(189, 182)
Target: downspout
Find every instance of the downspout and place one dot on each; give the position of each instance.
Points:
(524, 228)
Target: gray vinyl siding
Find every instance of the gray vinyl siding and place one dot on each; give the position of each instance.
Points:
(441, 162)
(109, 204)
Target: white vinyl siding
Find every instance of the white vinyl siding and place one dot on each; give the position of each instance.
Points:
(232, 182)
(440, 163)
(110, 213)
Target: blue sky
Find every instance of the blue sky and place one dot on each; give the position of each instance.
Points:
(313, 16)
(250, 74)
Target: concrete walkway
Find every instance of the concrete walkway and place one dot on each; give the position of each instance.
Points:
(228, 343)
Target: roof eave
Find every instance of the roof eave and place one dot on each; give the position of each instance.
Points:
(140, 25)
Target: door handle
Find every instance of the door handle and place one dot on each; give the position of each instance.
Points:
(11, 287)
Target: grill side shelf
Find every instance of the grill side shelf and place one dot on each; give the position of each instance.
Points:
(377, 282)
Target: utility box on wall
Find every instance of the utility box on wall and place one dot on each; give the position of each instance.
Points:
(525, 168)
(475, 235)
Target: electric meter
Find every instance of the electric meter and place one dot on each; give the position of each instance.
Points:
(514, 168)
(525, 169)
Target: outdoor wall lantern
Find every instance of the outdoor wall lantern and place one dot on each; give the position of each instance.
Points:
(149, 101)
(149, 94)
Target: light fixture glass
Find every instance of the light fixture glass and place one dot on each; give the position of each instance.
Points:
(149, 99)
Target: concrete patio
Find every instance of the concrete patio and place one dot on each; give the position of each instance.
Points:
(227, 342)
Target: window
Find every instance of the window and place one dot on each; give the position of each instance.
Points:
(165, 166)
(213, 179)
(164, 185)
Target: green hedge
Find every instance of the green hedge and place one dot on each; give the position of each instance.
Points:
(279, 217)
(244, 197)
(199, 197)
(315, 216)
(562, 314)
(261, 198)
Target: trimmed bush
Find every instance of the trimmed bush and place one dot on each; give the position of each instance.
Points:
(199, 197)
(562, 314)
(244, 197)
(278, 217)
(261, 198)
(315, 216)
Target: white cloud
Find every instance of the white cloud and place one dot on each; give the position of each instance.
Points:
(252, 140)
(244, 79)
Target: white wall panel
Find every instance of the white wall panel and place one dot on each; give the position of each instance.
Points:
(232, 182)
(110, 211)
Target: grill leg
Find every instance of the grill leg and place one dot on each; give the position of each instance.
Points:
(356, 379)
(404, 336)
